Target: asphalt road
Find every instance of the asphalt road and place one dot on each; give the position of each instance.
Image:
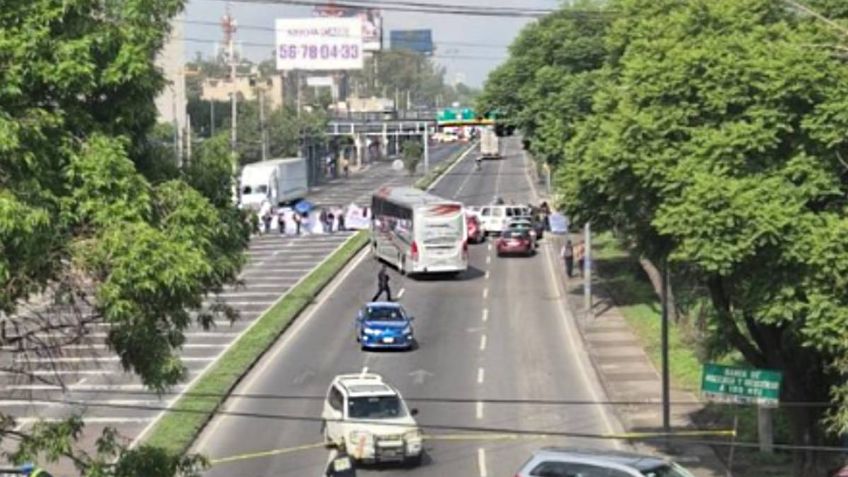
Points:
(499, 331)
(106, 396)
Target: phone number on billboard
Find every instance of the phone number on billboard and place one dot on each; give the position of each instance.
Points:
(319, 52)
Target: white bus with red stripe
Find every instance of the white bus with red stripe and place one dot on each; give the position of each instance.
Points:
(418, 232)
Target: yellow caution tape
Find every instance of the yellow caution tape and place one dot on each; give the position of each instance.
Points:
(483, 436)
(268, 453)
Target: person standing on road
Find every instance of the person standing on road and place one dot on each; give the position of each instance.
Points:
(340, 464)
(383, 284)
(580, 256)
(331, 220)
(342, 220)
(567, 255)
(298, 222)
(346, 167)
(281, 222)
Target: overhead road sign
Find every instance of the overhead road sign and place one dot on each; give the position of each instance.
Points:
(313, 44)
(741, 385)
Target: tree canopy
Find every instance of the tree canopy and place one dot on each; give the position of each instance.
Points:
(93, 213)
(710, 133)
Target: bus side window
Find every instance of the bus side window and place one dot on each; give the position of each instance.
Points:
(486, 212)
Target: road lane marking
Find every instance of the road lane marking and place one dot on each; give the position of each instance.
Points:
(485, 315)
(479, 410)
(471, 147)
(488, 259)
(486, 293)
(295, 328)
(483, 343)
(490, 246)
(481, 375)
(268, 453)
(481, 462)
(364, 370)
(401, 292)
(487, 275)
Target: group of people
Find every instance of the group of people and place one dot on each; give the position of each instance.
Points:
(288, 220)
(572, 254)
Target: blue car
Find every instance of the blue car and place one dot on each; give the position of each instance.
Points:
(384, 325)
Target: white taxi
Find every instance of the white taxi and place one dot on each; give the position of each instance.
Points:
(371, 420)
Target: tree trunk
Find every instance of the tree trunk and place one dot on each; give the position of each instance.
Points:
(655, 276)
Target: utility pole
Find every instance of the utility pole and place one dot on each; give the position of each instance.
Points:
(262, 125)
(587, 271)
(666, 392)
(228, 24)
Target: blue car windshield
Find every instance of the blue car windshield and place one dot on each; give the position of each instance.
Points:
(384, 314)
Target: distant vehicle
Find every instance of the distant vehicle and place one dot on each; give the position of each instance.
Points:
(534, 223)
(520, 224)
(515, 242)
(370, 420)
(418, 232)
(279, 181)
(446, 136)
(384, 325)
(495, 217)
(566, 462)
(490, 145)
(475, 228)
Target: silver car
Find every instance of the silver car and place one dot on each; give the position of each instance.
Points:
(565, 462)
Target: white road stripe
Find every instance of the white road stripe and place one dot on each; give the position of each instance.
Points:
(99, 359)
(490, 246)
(479, 410)
(481, 374)
(90, 420)
(485, 315)
(80, 403)
(481, 462)
(401, 292)
(487, 275)
(483, 343)
(486, 293)
(488, 259)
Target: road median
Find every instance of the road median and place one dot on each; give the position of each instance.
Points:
(177, 428)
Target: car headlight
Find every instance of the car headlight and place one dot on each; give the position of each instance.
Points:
(371, 332)
(356, 436)
(407, 330)
(414, 435)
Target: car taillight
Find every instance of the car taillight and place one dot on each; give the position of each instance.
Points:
(414, 251)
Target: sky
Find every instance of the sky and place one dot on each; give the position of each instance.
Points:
(478, 44)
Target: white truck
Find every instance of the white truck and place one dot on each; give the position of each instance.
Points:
(279, 181)
(490, 145)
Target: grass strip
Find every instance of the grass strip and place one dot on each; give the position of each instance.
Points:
(176, 430)
(624, 279)
(440, 168)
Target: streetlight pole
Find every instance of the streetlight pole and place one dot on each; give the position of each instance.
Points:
(666, 391)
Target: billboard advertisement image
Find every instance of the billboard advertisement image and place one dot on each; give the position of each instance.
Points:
(371, 18)
(419, 41)
(319, 44)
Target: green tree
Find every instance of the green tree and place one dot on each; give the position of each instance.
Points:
(716, 142)
(91, 213)
(412, 153)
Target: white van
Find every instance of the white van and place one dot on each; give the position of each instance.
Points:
(493, 218)
(370, 419)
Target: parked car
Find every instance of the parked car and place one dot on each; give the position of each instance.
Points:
(567, 462)
(475, 228)
(369, 419)
(384, 325)
(523, 224)
(515, 242)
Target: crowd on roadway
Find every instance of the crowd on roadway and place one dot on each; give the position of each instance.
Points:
(312, 221)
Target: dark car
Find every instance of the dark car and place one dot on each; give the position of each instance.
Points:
(384, 325)
(515, 242)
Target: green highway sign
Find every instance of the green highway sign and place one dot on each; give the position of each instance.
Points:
(742, 385)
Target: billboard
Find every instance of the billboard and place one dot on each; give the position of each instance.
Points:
(372, 22)
(319, 44)
(420, 41)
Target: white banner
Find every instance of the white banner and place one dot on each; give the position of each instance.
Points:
(319, 44)
(357, 218)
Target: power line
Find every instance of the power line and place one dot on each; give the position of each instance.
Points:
(273, 46)
(685, 434)
(272, 30)
(439, 9)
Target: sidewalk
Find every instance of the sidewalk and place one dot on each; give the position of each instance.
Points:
(628, 376)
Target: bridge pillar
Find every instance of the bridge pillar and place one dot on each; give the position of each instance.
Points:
(384, 142)
(360, 144)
